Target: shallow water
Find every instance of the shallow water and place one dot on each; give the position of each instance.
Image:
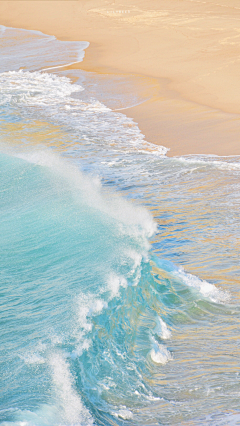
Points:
(119, 265)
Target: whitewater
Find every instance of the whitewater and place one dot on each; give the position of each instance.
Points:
(119, 282)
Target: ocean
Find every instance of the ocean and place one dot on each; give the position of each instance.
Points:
(120, 267)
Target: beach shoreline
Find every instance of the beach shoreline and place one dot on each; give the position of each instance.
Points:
(188, 79)
(119, 259)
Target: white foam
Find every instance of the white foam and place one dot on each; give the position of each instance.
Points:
(114, 283)
(80, 348)
(210, 291)
(70, 407)
(162, 330)
(35, 88)
(47, 96)
(87, 306)
(123, 413)
(221, 163)
(159, 353)
(135, 259)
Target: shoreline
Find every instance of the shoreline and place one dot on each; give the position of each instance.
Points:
(187, 81)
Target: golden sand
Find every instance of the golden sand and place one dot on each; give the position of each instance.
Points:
(187, 50)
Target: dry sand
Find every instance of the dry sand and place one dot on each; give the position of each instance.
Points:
(187, 53)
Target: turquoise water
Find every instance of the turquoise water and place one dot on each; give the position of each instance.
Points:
(119, 266)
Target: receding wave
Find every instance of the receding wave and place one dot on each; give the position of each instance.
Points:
(47, 96)
(19, 47)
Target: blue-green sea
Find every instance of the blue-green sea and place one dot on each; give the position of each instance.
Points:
(119, 266)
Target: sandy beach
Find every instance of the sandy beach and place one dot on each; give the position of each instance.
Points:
(184, 55)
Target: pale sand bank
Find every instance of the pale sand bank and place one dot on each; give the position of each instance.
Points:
(187, 53)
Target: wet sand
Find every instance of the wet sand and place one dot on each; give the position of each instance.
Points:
(186, 53)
